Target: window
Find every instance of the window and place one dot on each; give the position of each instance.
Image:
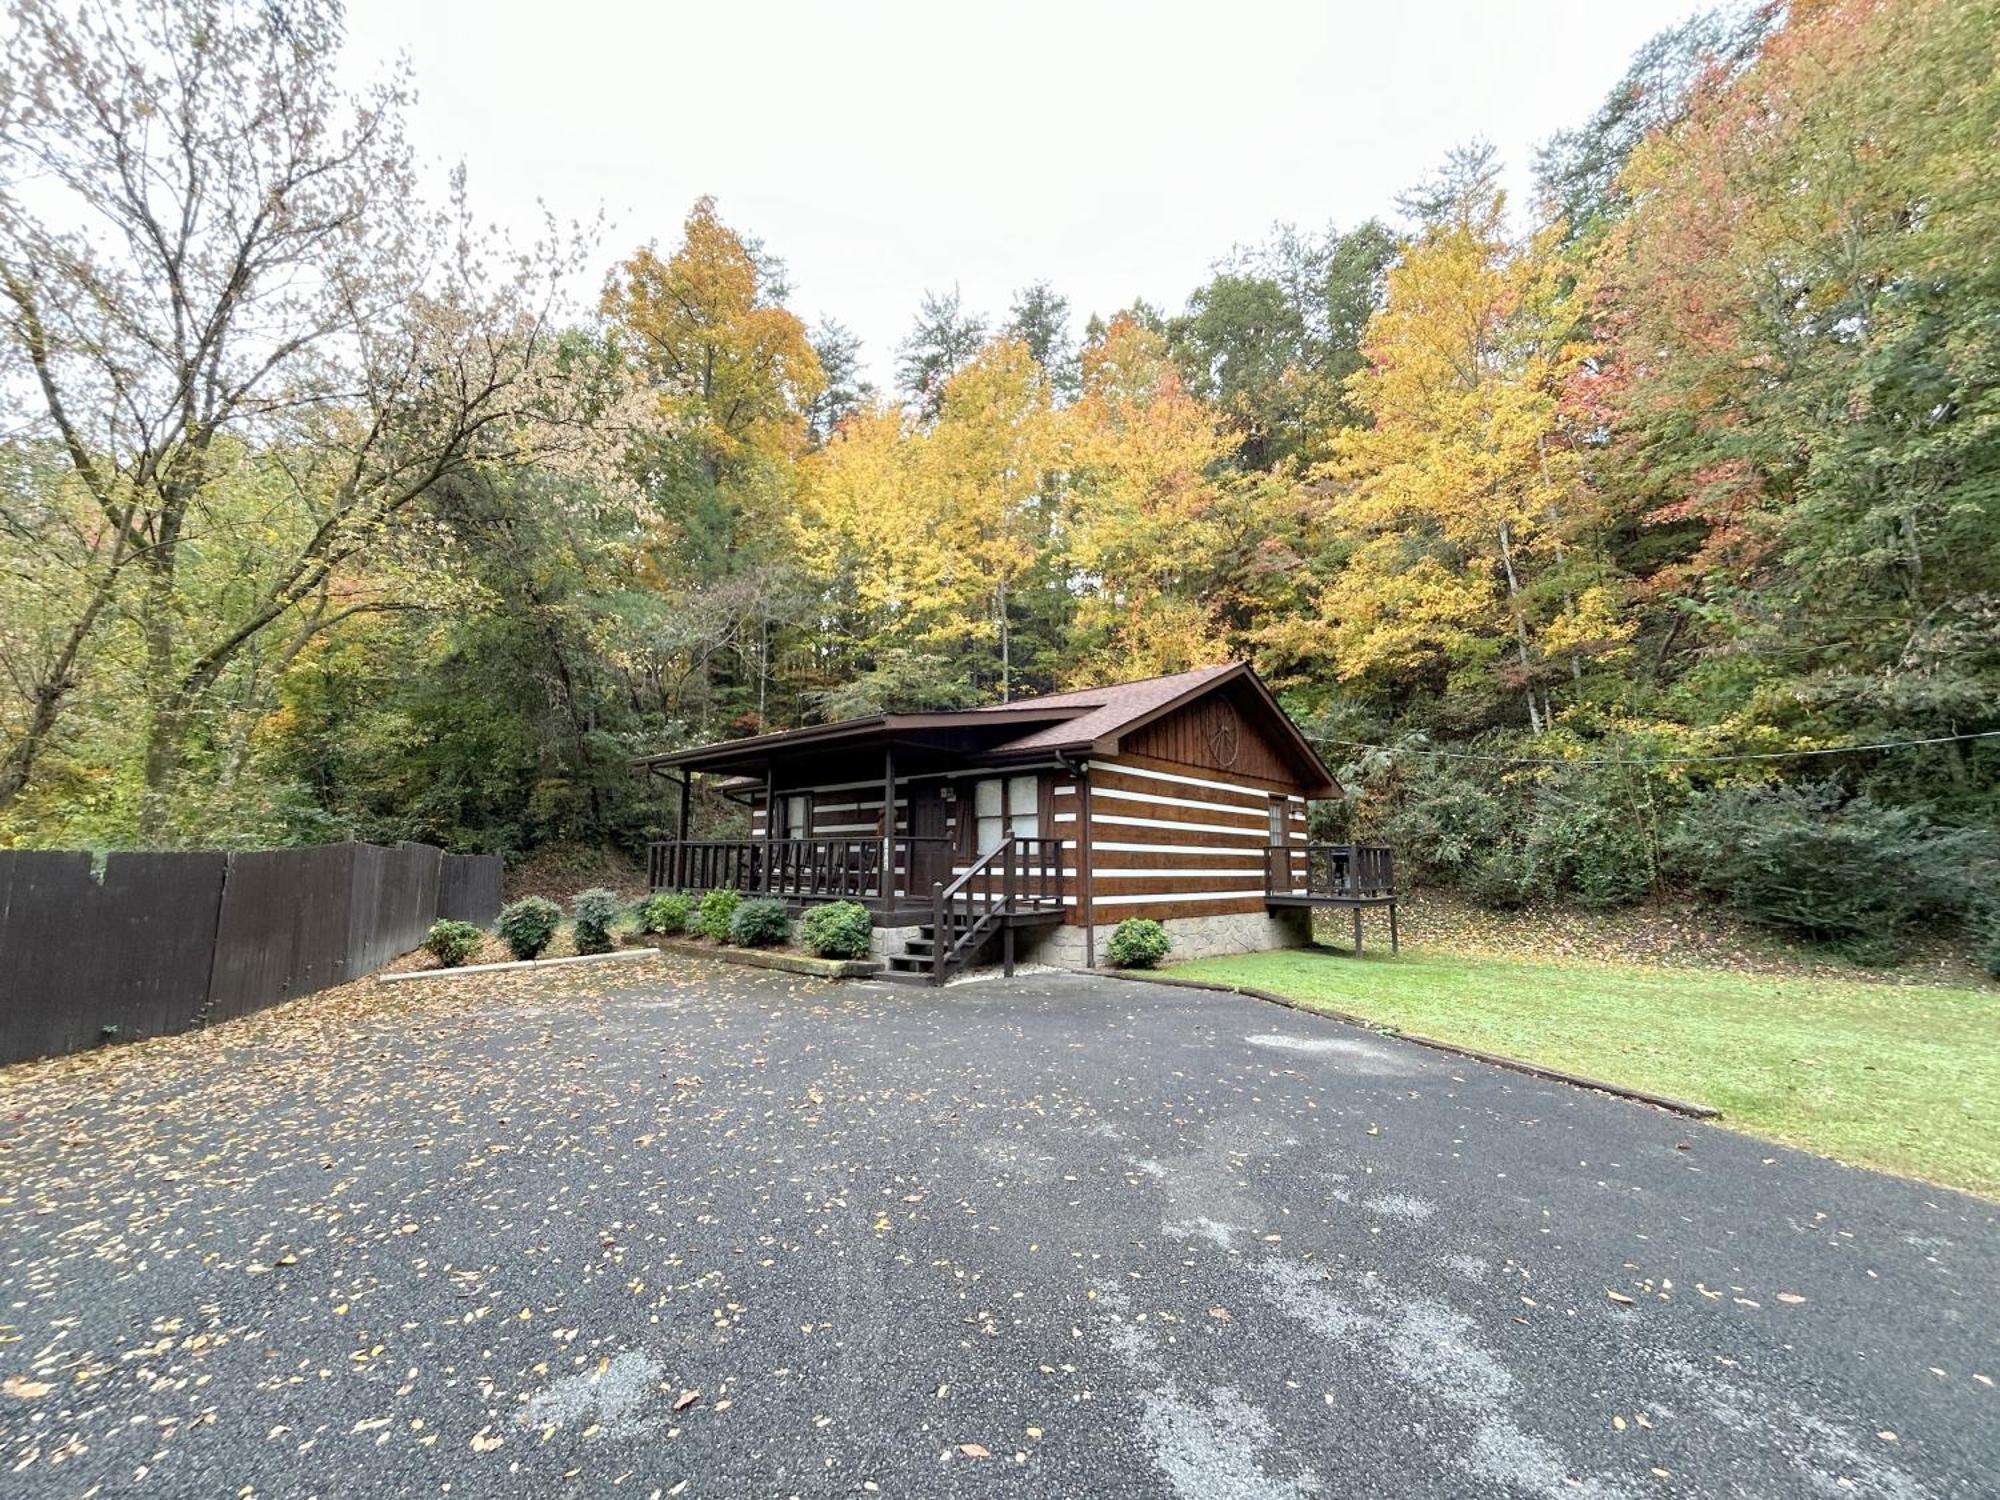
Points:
(1003, 807)
(796, 814)
(1280, 826)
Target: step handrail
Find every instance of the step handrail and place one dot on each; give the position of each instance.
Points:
(943, 897)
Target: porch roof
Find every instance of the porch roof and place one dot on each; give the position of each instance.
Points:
(970, 730)
(1086, 721)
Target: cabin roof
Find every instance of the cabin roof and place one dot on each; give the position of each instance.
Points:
(1082, 721)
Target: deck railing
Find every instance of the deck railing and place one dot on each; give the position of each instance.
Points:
(1345, 872)
(797, 869)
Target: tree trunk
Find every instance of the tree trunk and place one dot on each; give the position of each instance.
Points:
(166, 717)
(57, 682)
(1006, 646)
(1520, 625)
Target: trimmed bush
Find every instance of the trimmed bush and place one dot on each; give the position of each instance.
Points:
(529, 924)
(712, 915)
(666, 912)
(452, 943)
(840, 929)
(1138, 943)
(595, 910)
(760, 924)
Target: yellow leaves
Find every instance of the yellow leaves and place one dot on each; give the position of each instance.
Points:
(1462, 502)
(922, 526)
(1591, 622)
(734, 371)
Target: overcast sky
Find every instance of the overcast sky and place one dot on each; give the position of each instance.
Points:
(883, 149)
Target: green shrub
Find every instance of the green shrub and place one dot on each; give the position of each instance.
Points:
(527, 925)
(666, 912)
(452, 943)
(595, 910)
(1986, 928)
(712, 915)
(840, 929)
(1565, 833)
(1849, 873)
(1138, 943)
(760, 924)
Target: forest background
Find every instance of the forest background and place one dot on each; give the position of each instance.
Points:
(1641, 539)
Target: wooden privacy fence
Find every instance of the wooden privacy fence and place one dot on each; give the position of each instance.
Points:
(161, 942)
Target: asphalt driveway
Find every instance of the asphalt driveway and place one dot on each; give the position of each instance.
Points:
(710, 1232)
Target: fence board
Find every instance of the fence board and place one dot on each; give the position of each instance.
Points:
(469, 888)
(284, 926)
(166, 941)
(395, 902)
(81, 961)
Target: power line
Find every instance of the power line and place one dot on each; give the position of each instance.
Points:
(1664, 760)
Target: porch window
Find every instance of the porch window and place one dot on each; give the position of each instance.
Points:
(1004, 806)
(1279, 826)
(796, 816)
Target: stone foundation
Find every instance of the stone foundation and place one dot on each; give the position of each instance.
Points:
(884, 941)
(1194, 937)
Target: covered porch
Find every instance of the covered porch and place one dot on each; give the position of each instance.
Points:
(875, 811)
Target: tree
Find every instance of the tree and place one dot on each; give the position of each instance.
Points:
(223, 257)
(1039, 318)
(1144, 536)
(734, 369)
(1462, 189)
(986, 460)
(1276, 331)
(846, 390)
(1577, 170)
(1459, 512)
(735, 376)
(943, 340)
(1803, 315)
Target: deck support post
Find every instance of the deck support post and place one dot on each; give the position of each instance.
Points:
(1007, 950)
(1393, 947)
(1357, 932)
(886, 883)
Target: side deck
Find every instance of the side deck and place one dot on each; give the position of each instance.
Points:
(1353, 876)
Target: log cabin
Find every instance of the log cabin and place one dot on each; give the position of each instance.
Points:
(1037, 825)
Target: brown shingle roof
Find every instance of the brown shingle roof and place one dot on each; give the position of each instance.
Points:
(1109, 709)
(1087, 720)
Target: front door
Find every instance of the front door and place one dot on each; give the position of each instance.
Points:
(930, 841)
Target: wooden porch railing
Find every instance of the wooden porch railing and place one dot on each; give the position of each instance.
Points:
(1330, 872)
(1018, 875)
(832, 869)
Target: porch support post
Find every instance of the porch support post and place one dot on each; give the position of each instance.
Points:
(680, 849)
(886, 885)
(770, 820)
(1085, 903)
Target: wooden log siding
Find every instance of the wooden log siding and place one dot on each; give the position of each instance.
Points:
(1169, 839)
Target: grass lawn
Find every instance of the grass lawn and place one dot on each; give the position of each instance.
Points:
(1901, 1077)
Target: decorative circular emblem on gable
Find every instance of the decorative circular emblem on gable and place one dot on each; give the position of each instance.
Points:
(1223, 734)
